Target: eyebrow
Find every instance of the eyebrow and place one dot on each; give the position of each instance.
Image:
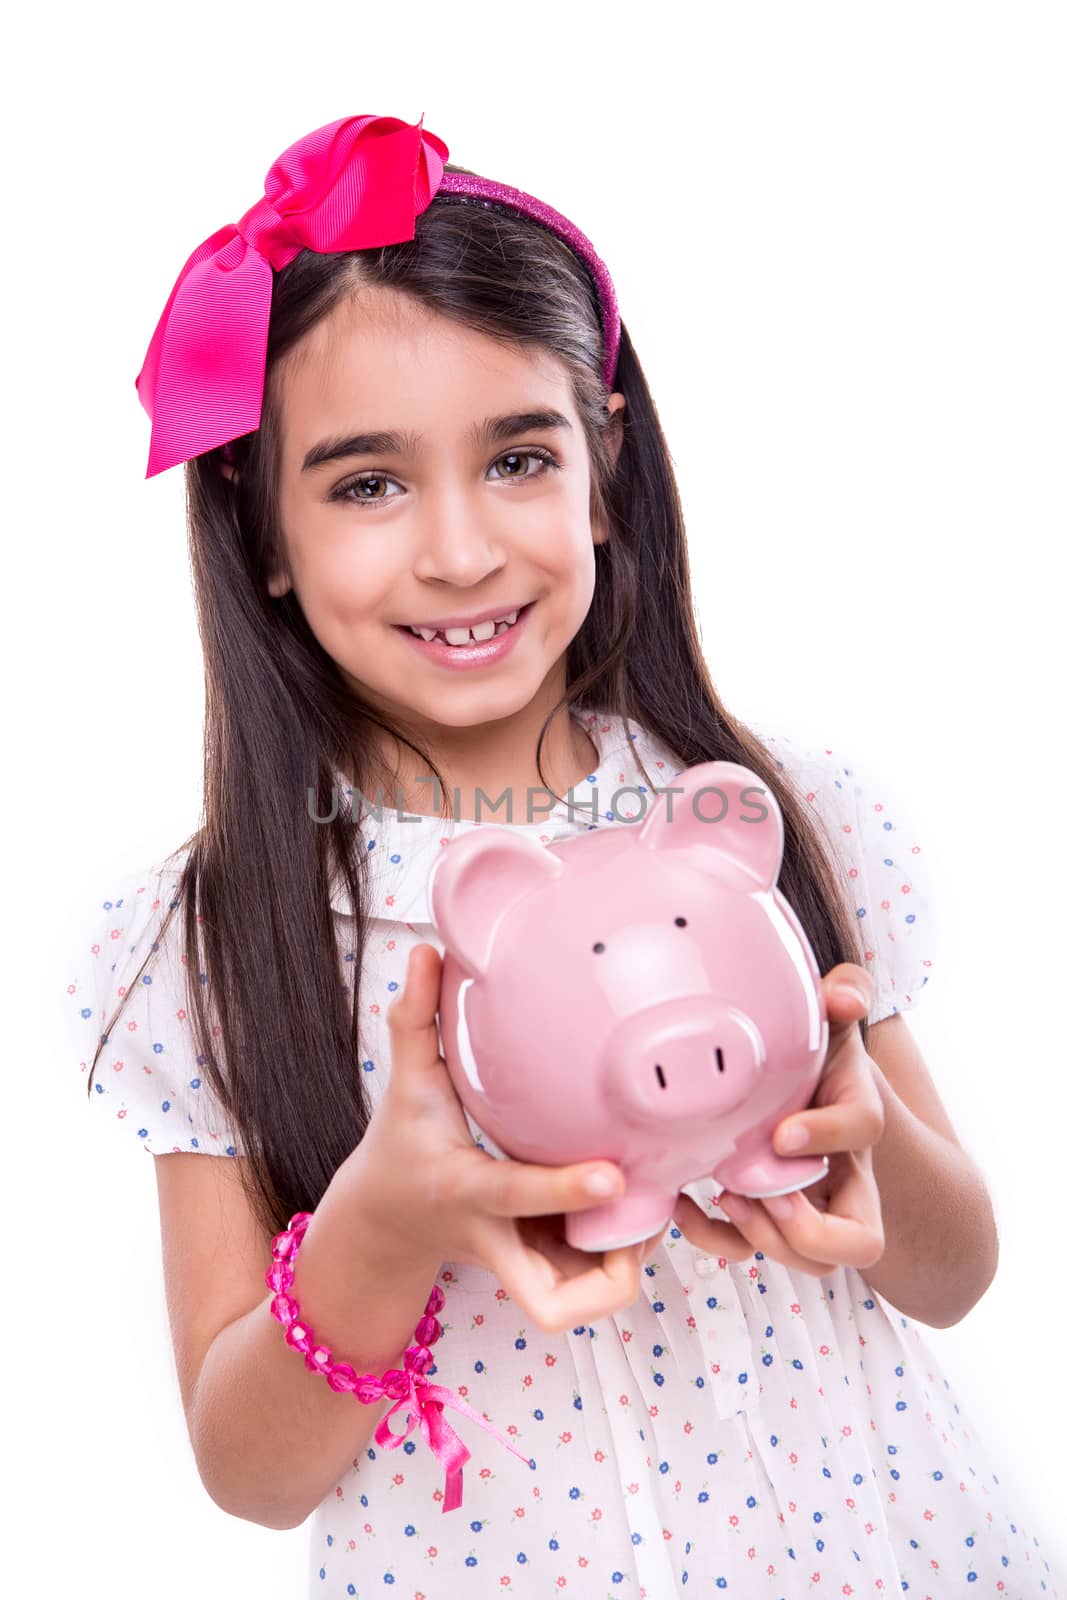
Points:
(399, 442)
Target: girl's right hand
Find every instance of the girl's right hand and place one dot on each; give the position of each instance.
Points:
(423, 1180)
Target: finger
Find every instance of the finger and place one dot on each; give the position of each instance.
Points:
(851, 1117)
(524, 1189)
(556, 1304)
(539, 1276)
(412, 1017)
(773, 1238)
(825, 1236)
(849, 995)
(718, 1238)
(850, 1235)
(548, 1236)
(851, 1229)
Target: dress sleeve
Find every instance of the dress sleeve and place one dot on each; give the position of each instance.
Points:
(147, 1078)
(877, 847)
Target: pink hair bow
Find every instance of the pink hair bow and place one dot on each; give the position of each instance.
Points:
(426, 1402)
(354, 183)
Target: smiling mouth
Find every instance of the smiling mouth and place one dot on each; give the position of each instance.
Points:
(481, 633)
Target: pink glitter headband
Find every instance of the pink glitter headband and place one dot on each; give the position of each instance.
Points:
(353, 184)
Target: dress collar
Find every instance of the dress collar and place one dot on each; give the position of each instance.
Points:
(401, 848)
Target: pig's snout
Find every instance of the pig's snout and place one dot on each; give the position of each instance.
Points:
(684, 1058)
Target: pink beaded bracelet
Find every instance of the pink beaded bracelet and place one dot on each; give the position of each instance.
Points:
(407, 1386)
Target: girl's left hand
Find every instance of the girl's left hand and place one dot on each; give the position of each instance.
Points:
(836, 1221)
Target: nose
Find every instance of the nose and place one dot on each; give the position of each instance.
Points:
(688, 1057)
(457, 543)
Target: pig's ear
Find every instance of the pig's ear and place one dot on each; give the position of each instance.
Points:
(728, 809)
(476, 878)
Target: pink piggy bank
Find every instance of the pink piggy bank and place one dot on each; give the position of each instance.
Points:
(640, 993)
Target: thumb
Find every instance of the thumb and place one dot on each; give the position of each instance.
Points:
(412, 1017)
(849, 995)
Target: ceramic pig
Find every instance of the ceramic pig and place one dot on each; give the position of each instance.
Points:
(640, 993)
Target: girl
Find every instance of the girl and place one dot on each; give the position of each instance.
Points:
(407, 409)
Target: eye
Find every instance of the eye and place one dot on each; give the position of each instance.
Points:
(598, 949)
(680, 922)
(545, 457)
(351, 491)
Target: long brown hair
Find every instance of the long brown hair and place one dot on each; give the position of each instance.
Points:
(280, 719)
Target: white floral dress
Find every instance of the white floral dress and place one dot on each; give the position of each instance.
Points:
(738, 1430)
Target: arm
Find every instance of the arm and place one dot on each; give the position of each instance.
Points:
(902, 1202)
(270, 1437)
(941, 1246)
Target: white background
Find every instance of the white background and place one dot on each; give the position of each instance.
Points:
(837, 234)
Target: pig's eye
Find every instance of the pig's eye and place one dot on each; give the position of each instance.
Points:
(679, 922)
(598, 949)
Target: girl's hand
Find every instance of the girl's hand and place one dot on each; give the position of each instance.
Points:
(422, 1178)
(836, 1221)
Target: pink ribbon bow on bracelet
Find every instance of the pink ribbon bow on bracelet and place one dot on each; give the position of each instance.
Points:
(428, 1401)
(407, 1385)
(356, 182)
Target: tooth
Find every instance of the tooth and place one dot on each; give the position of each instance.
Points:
(460, 636)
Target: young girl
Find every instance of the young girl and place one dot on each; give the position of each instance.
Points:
(406, 406)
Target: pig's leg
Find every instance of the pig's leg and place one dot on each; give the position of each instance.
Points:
(761, 1172)
(634, 1216)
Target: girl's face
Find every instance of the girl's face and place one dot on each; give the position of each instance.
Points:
(478, 500)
